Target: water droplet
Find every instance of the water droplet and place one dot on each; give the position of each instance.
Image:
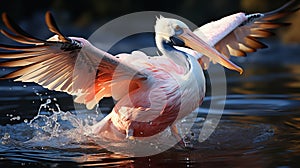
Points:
(24, 86)
(6, 136)
(25, 121)
(48, 101)
(15, 118)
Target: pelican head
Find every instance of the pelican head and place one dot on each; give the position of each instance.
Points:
(175, 32)
(167, 27)
(168, 30)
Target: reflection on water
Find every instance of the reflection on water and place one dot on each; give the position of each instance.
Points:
(260, 126)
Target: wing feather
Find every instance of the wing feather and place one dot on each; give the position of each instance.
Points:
(52, 26)
(67, 64)
(23, 48)
(238, 34)
(20, 34)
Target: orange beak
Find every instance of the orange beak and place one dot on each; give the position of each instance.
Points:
(193, 41)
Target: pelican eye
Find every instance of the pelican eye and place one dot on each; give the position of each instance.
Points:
(178, 30)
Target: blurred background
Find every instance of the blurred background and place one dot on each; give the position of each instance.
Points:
(81, 18)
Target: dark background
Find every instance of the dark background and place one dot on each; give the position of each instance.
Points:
(82, 17)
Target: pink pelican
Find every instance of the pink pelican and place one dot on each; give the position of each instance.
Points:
(151, 94)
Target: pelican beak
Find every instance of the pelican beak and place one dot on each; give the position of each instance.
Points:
(193, 41)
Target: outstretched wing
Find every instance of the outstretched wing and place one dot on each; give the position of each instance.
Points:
(238, 34)
(66, 64)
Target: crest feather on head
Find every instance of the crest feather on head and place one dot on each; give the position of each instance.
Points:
(163, 25)
(167, 25)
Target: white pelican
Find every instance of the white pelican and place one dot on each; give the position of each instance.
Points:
(161, 90)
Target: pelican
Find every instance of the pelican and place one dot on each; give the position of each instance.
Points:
(151, 94)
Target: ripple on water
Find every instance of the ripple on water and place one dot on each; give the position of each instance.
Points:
(54, 135)
(255, 104)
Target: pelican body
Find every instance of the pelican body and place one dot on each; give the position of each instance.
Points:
(151, 94)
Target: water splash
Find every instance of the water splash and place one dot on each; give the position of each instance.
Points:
(51, 120)
(53, 128)
(50, 128)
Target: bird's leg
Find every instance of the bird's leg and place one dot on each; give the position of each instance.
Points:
(175, 132)
(182, 142)
(129, 134)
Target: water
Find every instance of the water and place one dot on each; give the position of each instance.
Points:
(260, 126)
